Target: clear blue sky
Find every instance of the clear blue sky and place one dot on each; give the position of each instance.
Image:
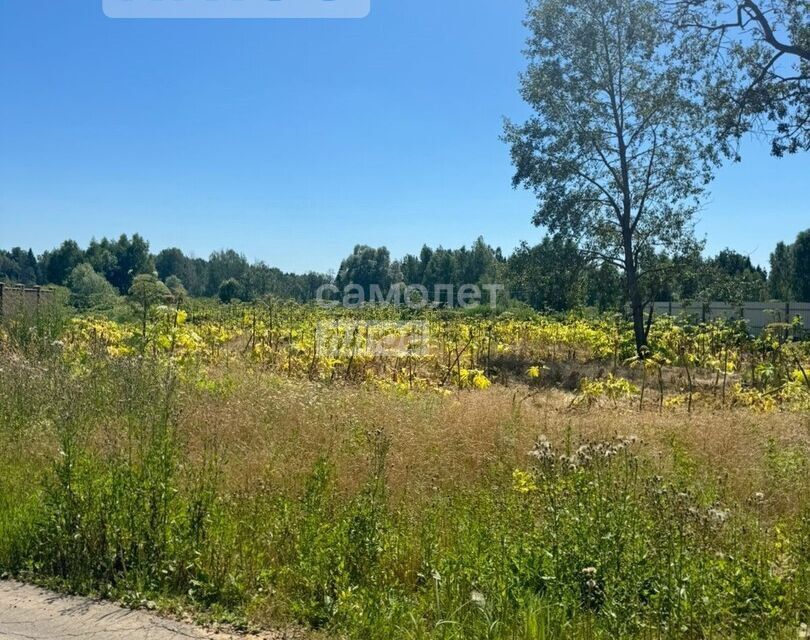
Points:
(291, 141)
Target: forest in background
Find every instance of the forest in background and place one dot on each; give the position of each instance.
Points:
(553, 275)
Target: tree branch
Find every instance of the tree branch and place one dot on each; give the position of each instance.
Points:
(767, 32)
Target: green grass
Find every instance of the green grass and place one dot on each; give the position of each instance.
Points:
(113, 482)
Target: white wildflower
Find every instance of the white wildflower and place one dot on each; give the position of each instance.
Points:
(719, 515)
(478, 599)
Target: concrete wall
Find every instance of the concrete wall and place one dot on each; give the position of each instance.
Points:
(15, 297)
(757, 314)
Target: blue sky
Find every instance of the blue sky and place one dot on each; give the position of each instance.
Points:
(291, 141)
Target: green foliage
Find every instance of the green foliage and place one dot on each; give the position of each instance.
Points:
(60, 263)
(366, 267)
(205, 277)
(173, 263)
(615, 151)
(90, 290)
(555, 274)
(121, 260)
(755, 54)
(224, 266)
(20, 266)
(801, 266)
(230, 290)
(176, 288)
(549, 275)
(789, 278)
(147, 291)
(132, 258)
(780, 279)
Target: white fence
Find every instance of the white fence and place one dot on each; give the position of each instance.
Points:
(757, 314)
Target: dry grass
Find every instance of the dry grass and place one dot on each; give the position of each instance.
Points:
(272, 430)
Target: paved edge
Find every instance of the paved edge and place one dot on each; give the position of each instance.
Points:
(32, 613)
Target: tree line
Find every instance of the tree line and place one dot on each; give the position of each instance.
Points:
(107, 268)
(553, 275)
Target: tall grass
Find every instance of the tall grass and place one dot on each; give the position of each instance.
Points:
(376, 516)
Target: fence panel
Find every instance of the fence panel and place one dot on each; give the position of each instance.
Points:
(15, 297)
(758, 314)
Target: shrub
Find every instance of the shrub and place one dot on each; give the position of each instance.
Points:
(90, 290)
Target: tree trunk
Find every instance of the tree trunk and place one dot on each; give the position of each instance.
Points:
(637, 306)
(634, 293)
(627, 227)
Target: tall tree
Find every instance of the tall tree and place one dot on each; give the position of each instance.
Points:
(102, 256)
(411, 269)
(759, 54)
(171, 262)
(439, 271)
(366, 266)
(548, 276)
(225, 265)
(801, 266)
(9, 269)
(616, 151)
(730, 277)
(476, 265)
(132, 258)
(19, 265)
(734, 263)
(230, 290)
(61, 262)
(604, 287)
(29, 267)
(780, 279)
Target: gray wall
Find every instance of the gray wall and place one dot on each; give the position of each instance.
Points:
(13, 297)
(757, 314)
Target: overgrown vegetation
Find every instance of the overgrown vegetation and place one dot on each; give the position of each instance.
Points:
(206, 464)
(194, 435)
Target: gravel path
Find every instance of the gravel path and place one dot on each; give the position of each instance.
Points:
(31, 613)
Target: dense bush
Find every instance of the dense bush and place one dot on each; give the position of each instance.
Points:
(90, 290)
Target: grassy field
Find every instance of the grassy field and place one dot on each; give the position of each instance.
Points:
(523, 508)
